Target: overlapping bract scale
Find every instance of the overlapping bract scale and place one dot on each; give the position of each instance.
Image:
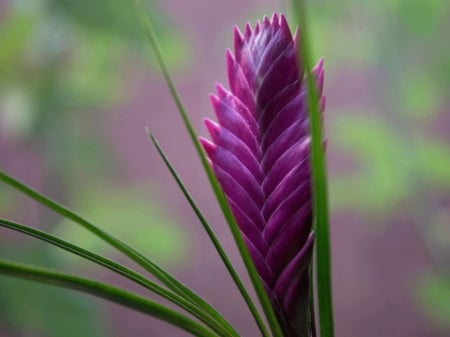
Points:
(260, 155)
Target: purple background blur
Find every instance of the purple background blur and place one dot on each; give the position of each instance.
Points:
(78, 85)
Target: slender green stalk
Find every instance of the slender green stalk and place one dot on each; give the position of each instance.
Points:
(214, 240)
(124, 271)
(319, 183)
(107, 292)
(140, 259)
(248, 262)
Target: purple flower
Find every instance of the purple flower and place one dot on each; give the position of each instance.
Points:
(260, 153)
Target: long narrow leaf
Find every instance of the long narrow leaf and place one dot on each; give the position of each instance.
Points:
(107, 292)
(140, 259)
(121, 270)
(248, 262)
(214, 240)
(319, 184)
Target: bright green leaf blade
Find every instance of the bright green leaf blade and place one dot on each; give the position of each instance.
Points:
(107, 292)
(172, 283)
(319, 184)
(121, 270)
(248, 262)
(214, 240)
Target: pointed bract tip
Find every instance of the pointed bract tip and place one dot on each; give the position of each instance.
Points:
(257, 28)
(247, 31)
(213, 129)
(221, 91)
(209, 146)
(237, 32)
(318, 67)
(323, 103)
(283, 21)
(285, 26)
(232, 62)
(320, 81)
(214, 99)
(275, 21)
(215, 102)
(238, 39)
(230, 58)
(319, 75)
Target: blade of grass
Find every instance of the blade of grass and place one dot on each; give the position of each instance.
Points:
(221, 199)
(319, 183)
(124, 271)
(214, 239)
(107, 292)
(163, 276)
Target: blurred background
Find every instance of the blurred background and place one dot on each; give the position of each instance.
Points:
(78, 84)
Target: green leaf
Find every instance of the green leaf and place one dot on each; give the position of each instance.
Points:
(140, 259)
(319, 183)
(213, 238)
(107, 292)
(7, 202)
(221, 199)
(123, 271)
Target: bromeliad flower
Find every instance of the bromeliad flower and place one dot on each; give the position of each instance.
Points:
(260, 154)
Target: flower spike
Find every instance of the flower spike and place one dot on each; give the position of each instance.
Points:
(260, 153)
